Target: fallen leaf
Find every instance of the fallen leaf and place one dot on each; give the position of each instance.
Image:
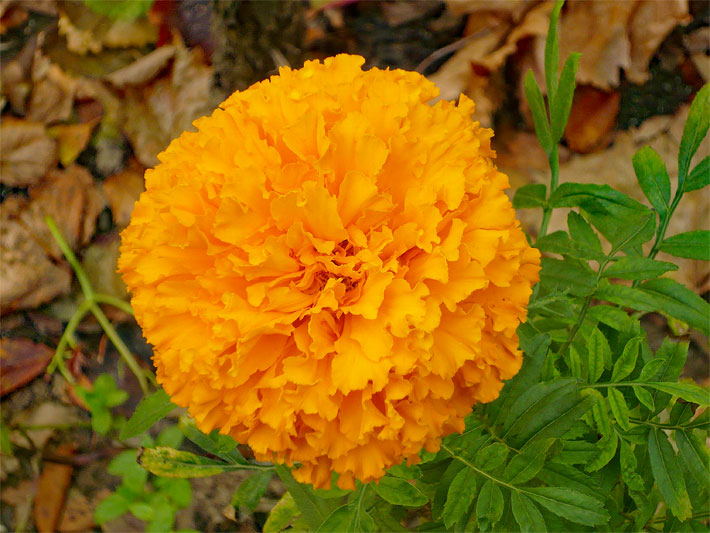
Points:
(72, 139)
(651, 22)
(16, 76)
(514, 9)
(626, 37)
(29, 277)
(49, 414)
(78, 514)
(72, 199)
(20, 497)
(122, 191)
(26, 152)
(11, 15)
(87, 31)
(592, 118)
(52, 96)
(22, 361)
(100, 263)
(698, 45)
(144, 69)
(158, 113)
(52, 489)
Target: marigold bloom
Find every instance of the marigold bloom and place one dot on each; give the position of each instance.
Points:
(329, 269)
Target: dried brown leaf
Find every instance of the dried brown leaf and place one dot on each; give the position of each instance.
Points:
(143, 69)
(48, 415)
(122, 191)
(160, 112)
(20, 497)
(22, 361)
(29, 277)
(78, 514)
(52, 489)
(89, 32)
(515, 9)
(52, 96)
(26, 152)
(72, 139)
(592, 118)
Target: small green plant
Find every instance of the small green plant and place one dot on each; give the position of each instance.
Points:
(152, 499)
(100, 399)
(120, 9)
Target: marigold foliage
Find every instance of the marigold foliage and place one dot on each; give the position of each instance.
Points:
(329, 269)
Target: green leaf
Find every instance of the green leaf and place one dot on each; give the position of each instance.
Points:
(644, 397)
(460, 496)
(110, 508)
(150, 409)
(557, 474)
(575, 362)
(559, 242)
(599, 353)
(125, 465)
(552, 51)
(570, 504)
(674, 354)
(562, 99)
(559, 420)
(340, 519)
(282, 514)
(668, 474)
(699, 176)
(171, 437)
(679, 302)
(399, 491)
(489, 508)
(251, 490)
(613, 317)
(178, 490)
(653, 177)
(626, 363)
(525, 466)
(314, 510)
(442, 488)
(491, 457)
(629, 466)
(651, 368)
(173, 463)
(163, 517)
(223, 446)
(120, 9)
(694, 453)
(526, 514)
(537, 398)
(583, 235)
(141, 510)
(405, 471)
(570, 274)
(691, 244)
(607, 446)
(619, 409)
(5, 443)
(687, 391)
(638, 268)
(696, 126)
(530, 196)
(101, 420)
(537, 107)
(351, 517)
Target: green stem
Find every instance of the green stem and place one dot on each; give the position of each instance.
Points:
(554, 160)
(57, 361)
(115, 302)
(121, 347)
(81, 276)
(479, 471)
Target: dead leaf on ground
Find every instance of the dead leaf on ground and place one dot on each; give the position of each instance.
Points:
(78, 514)
(52, 96)
(22, 361)
(472, 70)
(158, 113)
(72, 139)
(592, 118)
(47, 414)
(514, 9)
(100, 260)
(20, 497)
(71, 197)
(29, 277)
(11, 15)
(16, 76)
(122, 191)
(52, 489)
(26, 152)
(698, 45)
(626, 37)
(143, 69)
(87, 31)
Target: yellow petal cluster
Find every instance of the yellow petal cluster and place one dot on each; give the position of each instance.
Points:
(329, 269)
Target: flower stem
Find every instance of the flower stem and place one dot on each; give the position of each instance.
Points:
(554, 160)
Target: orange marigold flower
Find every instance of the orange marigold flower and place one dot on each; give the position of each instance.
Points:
(329, 269)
